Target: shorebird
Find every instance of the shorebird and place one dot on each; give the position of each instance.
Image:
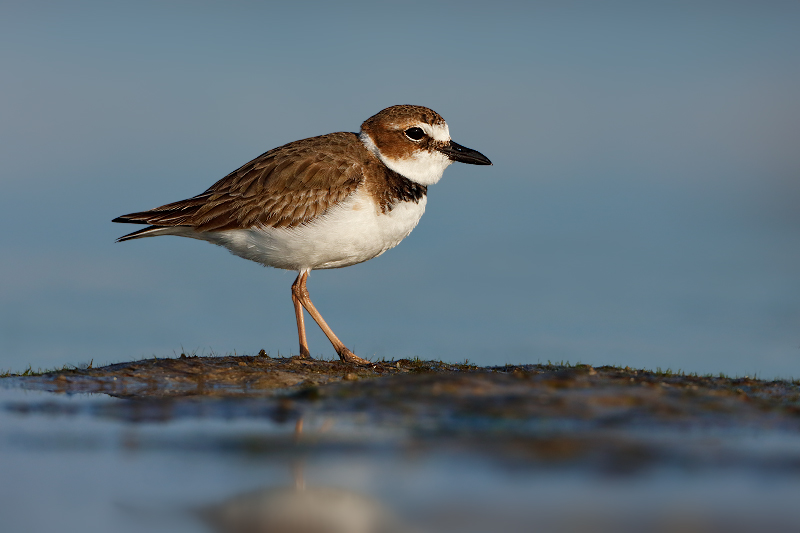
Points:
(325, 202)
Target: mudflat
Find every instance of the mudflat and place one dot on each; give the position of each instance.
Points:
(432, 445)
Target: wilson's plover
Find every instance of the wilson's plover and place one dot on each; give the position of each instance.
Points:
(325, 202)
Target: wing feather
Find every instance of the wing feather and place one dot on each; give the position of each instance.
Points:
(285, 187)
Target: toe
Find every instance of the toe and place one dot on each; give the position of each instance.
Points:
(349, 357)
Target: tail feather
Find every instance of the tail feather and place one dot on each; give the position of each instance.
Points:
(126, 220)
(150, 231)
(168, 219)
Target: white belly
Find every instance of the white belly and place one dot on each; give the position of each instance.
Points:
(350, 233)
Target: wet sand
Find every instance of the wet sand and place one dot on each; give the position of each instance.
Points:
(477, 431)
(541, 412)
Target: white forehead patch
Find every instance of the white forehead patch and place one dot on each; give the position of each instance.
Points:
(438, 132)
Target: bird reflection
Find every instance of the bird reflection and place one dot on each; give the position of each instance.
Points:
(301, 509)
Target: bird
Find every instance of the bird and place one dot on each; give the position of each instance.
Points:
(330, 201)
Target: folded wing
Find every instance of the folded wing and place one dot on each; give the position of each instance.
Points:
(285, 187)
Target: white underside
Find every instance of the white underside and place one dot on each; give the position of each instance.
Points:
(351, 232)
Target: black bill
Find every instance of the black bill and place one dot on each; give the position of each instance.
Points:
(462, 154)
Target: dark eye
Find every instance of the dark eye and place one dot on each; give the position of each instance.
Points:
(415, 134)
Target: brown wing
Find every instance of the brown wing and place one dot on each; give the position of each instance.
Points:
(284, 187)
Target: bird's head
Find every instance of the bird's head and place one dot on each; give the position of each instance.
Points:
(415, 142)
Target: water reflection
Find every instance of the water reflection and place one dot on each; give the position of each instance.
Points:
(444, 455)
(306, 510)
(301, 509)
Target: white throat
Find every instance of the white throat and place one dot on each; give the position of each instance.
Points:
(423, 167)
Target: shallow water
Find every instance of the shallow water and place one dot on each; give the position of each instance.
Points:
(364, 456)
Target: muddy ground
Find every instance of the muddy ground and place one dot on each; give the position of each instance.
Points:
(609, 417)
(452, 447)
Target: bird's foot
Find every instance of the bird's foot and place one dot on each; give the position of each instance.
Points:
(304, 353)
(349, 357)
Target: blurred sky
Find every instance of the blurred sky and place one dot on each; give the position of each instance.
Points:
(642, 210)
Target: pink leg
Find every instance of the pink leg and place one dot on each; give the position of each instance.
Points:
(298, 314)
(300, 294)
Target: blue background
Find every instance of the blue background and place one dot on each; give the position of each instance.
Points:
(642, 208)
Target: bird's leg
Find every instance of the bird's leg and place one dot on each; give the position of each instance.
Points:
(298, 313)
(300, 293)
